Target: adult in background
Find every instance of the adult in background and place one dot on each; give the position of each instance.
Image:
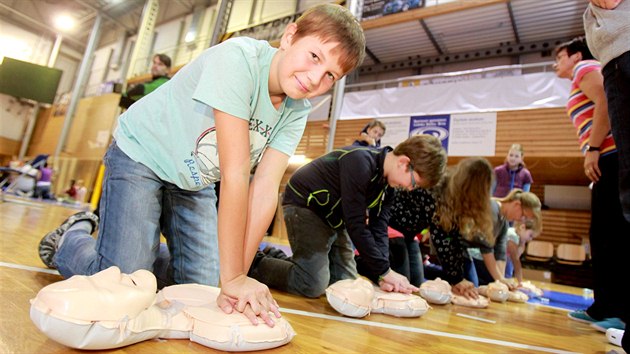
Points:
(159, 70)
(607, 28)
(371, 134)
(609, 231)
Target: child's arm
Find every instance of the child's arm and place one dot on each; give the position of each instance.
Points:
(515, 252)
(450, 252)
(237, 290)
(493, 269)
(263, 199)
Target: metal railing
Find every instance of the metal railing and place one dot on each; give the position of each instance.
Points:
(473, 74)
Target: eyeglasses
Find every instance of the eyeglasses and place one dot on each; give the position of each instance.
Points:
(413, 179)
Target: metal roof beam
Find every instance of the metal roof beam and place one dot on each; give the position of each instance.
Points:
(513, 22)
(426, 29)
(106, 15)
(502, 51)
(372, 56)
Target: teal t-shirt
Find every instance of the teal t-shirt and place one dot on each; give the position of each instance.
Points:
(172, 130)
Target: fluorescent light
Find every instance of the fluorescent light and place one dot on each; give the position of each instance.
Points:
(64, 22)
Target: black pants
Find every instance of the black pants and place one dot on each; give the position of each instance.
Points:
(610, 244)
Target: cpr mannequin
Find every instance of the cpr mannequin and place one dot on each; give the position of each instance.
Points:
(111, 310)
(438, 291)
(358, 298)
(496, 291)
(499, 292)
(530, 289)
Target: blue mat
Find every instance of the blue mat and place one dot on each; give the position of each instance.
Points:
(563, 300)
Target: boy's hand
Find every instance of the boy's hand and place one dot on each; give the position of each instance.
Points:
(250, 297)
(369, 140)
(466, 289)
(395, 282)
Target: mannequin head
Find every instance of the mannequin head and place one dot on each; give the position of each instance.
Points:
(105, 296)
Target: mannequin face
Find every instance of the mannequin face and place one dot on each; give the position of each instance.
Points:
(107, 295)
(358, 291)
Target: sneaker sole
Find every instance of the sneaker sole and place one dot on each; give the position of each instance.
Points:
(48, 244)
(599, 328)
(47, 248)
(580, 320)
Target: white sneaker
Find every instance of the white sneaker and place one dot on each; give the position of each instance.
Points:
(614, 336)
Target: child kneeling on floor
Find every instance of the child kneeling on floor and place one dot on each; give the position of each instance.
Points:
(325, 204)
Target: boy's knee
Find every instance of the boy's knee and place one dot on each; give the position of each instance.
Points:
(314, 292)
(314, 289)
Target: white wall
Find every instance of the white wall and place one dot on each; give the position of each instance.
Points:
(13, 117)
(24, 45)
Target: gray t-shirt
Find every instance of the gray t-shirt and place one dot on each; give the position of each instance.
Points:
(607, 31)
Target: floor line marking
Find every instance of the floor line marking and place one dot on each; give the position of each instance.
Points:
(425, 331)
(32, 269)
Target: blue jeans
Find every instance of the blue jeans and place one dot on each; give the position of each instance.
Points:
(321, 256)
(136, 205)
(617, 84)
(509, 268)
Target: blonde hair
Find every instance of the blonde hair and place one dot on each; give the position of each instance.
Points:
(426, 155)
(464, 199)
(334, 23)
(528, 201)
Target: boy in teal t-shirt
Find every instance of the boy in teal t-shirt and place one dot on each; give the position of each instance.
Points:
(240, 104)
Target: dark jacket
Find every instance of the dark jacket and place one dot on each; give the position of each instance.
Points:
(339, 187)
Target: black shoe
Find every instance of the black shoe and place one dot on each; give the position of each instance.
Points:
(49, 243)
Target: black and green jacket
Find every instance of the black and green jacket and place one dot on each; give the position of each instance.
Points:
(339, 187)
(138, 91)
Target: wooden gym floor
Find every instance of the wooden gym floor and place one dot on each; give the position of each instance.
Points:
(517, 328)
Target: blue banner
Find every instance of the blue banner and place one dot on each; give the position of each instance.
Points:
(437, 125)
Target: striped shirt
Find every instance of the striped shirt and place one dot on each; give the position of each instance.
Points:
(580, 108)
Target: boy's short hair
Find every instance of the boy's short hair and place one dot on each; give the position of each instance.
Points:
(427, 156)
(334, 23)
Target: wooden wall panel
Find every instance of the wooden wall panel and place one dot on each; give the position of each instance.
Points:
(9, 147)
(314, 140)
(565, 226)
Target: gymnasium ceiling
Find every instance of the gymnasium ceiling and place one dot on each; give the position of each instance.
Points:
(460, 30)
